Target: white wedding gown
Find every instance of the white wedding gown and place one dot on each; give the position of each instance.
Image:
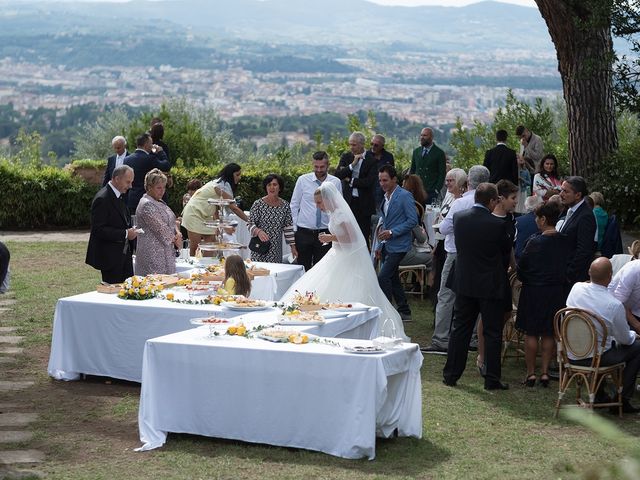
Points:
(345, 273)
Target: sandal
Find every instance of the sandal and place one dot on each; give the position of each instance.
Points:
(530, 381)
(544, 380)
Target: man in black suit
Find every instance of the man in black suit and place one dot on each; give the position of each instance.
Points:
(146, 157)
(109, 248)
(502, 161)
(482, 243)
(358, 173)
(119, 144)
(580, 227)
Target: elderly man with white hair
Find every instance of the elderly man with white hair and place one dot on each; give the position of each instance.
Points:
(526, 224)
(119, 145)
(359, 173)
(446, 297)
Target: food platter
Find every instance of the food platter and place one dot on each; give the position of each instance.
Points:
(212, 321)
(347, 307)
(303, 318)
(246, 306)
(364, 349)
(217, 246)
(220, 201)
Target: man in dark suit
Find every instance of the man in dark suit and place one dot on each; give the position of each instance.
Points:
(109, 248)
(580, 227)
(502, 161)
(430, 163)
(398, 219)
(382, 157)
(146, 157)
(482, 243)
(119, 144)
(358, 173)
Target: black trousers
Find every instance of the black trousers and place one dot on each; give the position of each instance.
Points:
(466, 312)
(120, 272)
(310, 249)
(630, 355)
(5, 256)
(364, 220)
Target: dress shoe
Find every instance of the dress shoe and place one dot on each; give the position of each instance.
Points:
(554, 373)
(433, 350)
(473, 348)
(406, 317)
(449, 383)
(497, 386)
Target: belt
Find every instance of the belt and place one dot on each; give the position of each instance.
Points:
(319, 230)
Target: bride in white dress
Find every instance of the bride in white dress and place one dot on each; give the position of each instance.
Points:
(345, 273)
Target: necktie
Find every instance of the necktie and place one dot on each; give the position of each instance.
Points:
(566, 219)
(318, 211)
(424, 151)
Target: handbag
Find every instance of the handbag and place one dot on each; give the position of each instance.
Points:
(258, 246)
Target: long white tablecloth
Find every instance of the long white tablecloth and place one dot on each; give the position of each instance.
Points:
(99, 334)
(313, 396)
(268, 287)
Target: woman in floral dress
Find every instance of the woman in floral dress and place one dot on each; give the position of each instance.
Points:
(269, 219)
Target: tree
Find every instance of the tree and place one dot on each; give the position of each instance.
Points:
(626, 24)
(581, 33)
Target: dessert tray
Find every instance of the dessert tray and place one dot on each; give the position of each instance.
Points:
(301, 318)
(364, 349)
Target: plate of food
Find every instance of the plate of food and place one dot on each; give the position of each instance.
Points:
(300, 318)
(209, 321)
(364, 349)
(328, 314)
(347, 307)
(242, 304)
(220, 201)
(277, 335)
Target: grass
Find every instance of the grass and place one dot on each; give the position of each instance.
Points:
(88, 429)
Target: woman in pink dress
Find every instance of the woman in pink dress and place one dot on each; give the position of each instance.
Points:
(156, 251)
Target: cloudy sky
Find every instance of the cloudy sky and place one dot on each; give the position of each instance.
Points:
(448, 3)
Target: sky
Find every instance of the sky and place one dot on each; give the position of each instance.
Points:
(449, 3)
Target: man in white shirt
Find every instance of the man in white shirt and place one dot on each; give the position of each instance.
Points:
(625, 286)
(621, 344)
(308, 220)
(446, 297)
(119, 145)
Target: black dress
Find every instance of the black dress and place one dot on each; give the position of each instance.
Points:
(542, 270)
(510, 222)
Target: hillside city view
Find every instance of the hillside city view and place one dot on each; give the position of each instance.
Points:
(45, 74)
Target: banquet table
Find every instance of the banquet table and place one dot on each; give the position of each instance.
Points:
(267, 287)
(100, 334)
(314, 396)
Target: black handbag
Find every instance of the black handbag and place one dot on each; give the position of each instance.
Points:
(258, 246)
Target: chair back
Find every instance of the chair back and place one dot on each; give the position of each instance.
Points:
(576, 331)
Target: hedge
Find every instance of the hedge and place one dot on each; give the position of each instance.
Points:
(48, 197)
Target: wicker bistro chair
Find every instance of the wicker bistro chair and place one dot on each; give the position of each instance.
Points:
(576, 332)
(407, 272)
(511, 337)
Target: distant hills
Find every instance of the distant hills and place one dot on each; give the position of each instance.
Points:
(484, 26)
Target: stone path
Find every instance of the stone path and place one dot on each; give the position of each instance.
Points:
(16, 459)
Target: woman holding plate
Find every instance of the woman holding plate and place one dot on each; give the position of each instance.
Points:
(198, 210)
(345, 273)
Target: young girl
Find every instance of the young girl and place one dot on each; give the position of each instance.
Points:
(236, 280)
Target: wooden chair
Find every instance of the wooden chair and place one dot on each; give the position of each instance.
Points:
(576, 332)
(511, 337)
(408, 273)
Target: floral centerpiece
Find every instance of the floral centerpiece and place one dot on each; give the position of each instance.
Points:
(138, 288)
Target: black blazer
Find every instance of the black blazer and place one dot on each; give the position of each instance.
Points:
(580, 230)
(111, 165)
(502, 163)
(482, 243)
(143, 162)
(365, 183)
(109, 222)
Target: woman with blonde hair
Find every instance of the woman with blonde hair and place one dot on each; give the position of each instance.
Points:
(156, 250)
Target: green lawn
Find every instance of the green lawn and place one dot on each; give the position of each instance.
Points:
(88, 429)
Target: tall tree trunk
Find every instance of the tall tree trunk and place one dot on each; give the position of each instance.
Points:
(581, 33)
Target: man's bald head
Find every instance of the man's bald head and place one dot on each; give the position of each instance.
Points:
(601, 271)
